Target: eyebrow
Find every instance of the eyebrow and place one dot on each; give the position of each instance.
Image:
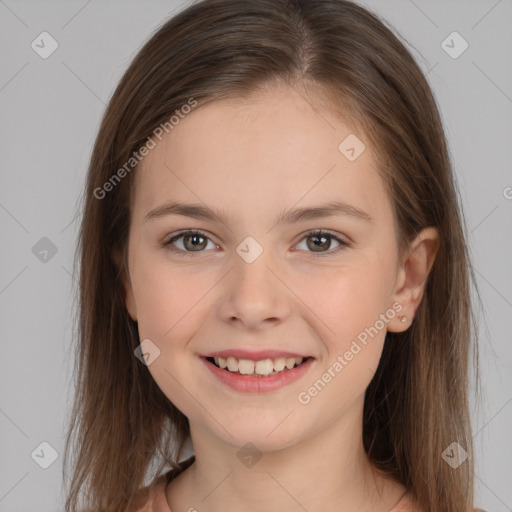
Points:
(202, 212)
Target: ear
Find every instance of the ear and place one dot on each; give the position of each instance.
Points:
(412, 277)
(127, 285)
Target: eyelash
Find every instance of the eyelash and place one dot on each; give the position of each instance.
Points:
(317, 232)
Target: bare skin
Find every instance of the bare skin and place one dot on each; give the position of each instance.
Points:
(253, 158)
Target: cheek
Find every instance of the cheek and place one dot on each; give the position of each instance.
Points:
(165, 294)
(348, 318)
(350, 306)
(350, 299)
(170, 309)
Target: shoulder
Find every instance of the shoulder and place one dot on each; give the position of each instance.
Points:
(407, 504)
(149, 499)
(152, 498)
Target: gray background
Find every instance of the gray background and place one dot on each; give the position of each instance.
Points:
(50, 110)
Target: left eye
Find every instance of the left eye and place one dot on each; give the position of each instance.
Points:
(196, 241)
(321, 239)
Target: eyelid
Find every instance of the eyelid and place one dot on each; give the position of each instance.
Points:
(343, 241)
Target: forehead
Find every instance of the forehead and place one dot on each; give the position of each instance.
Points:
(269, 149)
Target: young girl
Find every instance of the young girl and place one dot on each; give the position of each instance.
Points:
(274, 270)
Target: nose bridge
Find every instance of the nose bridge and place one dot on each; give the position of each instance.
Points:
(252, 274)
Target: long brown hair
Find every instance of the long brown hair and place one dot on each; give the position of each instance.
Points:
(123, 430)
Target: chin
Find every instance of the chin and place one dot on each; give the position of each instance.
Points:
(265, 436)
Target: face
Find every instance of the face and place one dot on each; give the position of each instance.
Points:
(247, 282)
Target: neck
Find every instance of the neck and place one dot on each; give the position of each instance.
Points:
(328, 470)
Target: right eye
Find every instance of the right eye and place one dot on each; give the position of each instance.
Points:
(192, 239)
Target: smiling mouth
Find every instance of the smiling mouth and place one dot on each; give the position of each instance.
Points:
(262, 368)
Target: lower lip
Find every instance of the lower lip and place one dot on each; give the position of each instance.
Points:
(258, 384)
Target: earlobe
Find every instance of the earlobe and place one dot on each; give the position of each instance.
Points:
(127, 286)
(412, 277)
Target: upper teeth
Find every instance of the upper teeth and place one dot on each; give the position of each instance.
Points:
(263, 367)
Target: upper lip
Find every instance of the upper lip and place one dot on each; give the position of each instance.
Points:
(254, 356)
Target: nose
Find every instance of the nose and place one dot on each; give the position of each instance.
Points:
(254, 295)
